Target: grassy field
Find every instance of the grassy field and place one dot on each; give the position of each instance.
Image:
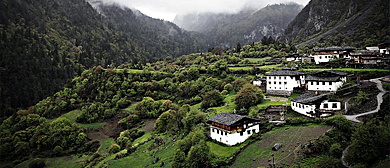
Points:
(270, 67)
(132, 107)
(72, 116)
(255, 60)
(346, 70)
(229, 108)
(144, 158)
(247, 68)
(73, 161)
(267, 102)
(258, 153)
(224, 151)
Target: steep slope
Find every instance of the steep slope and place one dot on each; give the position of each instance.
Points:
(45, 43)
(337, 22)
(244, 27)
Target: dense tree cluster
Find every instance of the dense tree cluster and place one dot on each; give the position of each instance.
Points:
(174, 120)
(23, 134)
(192, 151)
(248, 96)
(45, 43)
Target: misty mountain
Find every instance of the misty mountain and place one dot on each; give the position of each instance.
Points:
(45, 43)
(245, 27)
(341, 22)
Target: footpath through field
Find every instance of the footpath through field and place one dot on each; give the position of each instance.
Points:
(379, 99)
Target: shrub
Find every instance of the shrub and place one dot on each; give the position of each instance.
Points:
(228, 87)
(114, 148)
(212, 99)
(386, 86)
(335, 150)
(57, 150)
(248, 96)
(37, 163)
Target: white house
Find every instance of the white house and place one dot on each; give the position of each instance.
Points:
(314, 105)
(283, 82)
(329, 80)
(257, 82)
(323, 55)
(232, 129)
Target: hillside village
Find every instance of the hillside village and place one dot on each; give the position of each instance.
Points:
(232, 99)
(85, 83)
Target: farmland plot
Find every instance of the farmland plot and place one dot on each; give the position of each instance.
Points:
(258, 153)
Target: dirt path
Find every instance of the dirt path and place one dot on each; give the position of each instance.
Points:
(343, 156)
(379, 99)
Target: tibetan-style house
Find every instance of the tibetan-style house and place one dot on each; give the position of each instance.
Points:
(232, 129)
(283, 82)
(328, 81)
(312, 105)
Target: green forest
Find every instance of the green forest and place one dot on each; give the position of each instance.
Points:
(111, 87)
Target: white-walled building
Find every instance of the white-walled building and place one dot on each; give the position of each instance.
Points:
(257, 82)
(314, 105)
(283, 82)
(326, 81)
(323, 55)
(232, 129)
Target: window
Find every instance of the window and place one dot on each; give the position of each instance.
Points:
(275, 77)
(280, 83)
(280, 77)
(285, 77)
(334, 105)
(275, 83)
(269, 87)
(249, 131)
(269, 82)
(285, 83)
(217, 131)
(325, 105)
(320, 57)
(241, 133)
(221, 132)
(292, 104)
(213, 129)
(269, 77)
(323, 83)
(225, 133)
(254, 131)
(311, 83)
(330, 83)
(275, 87)
(300, 106)
(280, 88)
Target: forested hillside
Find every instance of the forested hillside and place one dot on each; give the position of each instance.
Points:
(245, 27)
(358, 23)
(44, 43)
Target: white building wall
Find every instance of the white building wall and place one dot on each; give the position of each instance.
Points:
(324, 86)
(302, 108)
(330, 105)
(290, 59)
(257, 83)
(323, 58)
(285, 83)
(232, 138)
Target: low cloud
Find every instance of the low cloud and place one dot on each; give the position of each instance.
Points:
(167, 9)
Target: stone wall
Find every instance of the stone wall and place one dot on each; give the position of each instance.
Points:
(279, 92)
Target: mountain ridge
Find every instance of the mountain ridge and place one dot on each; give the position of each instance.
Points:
(245, 27)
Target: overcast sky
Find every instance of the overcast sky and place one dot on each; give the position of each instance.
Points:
(168, 9)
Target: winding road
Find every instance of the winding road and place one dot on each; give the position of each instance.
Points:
(354, 117)
(379, 99)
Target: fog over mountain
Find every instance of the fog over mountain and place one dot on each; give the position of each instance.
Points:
(168, 9)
